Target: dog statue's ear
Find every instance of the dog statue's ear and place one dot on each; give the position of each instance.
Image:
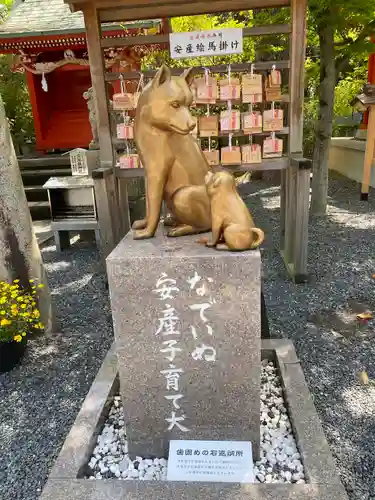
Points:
(162, 76)
(188, 75)
(217, 182)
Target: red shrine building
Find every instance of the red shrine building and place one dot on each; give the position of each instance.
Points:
(49, 46)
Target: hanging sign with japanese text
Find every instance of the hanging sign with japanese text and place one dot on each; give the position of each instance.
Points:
(206, 43)
(213, 461)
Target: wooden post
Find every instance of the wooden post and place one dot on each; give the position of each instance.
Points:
(292, 245)
(369, 154)
(104, 195)
(301, 228)
(97, 69)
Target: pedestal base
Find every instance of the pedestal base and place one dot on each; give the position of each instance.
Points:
(65, 481)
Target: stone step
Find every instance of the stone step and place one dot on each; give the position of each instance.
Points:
(47, 161)
(36, 193)
(39, 210)
(46, 172)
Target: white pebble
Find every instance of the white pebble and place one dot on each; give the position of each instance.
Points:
(280, 461)
(288, 476)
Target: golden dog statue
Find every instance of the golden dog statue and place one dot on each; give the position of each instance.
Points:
(232, 225)
(174, 164)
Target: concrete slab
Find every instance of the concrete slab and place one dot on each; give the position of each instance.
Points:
(66, 479)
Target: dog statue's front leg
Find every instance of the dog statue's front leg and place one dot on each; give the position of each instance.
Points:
(142, 224)
(154, 197)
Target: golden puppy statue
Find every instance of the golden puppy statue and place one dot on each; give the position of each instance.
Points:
(232, 225)
(174, 164)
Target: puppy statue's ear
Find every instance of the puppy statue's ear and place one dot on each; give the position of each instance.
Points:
(188, 75)
(162, 76)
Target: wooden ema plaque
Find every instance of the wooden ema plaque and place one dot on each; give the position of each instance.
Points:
(230, 89)
(273, 120)
(274, 78)
(205, 90)
(252, 122)
(123, 102)
(252, 88)
(272, 147)
(212, 157)
(251, 153)
(124, 131)
(273, 86)
(273, 94)
(129, 161)
(252, 98)
(209, 126)
(230, 120)
(231, 155)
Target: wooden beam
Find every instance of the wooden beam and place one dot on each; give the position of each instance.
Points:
(272, 29)
(271, 164)
(258, 66)
(111, 11)
(121, 143)
(97, 70)
(369, 154)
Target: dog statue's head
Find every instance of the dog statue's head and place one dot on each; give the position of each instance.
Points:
(216, 181)
(165, 102)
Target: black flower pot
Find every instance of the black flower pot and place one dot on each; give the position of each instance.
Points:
(11, 354)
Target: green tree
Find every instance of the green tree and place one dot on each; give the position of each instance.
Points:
(340, 31)
(15, 95)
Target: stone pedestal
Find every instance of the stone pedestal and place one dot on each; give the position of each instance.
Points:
(187, 329)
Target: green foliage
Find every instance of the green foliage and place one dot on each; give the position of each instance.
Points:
(14, 92)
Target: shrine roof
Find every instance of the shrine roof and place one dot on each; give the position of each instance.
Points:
(53, 17)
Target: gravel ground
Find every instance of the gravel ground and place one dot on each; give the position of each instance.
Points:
(39, 400)
(341, 263)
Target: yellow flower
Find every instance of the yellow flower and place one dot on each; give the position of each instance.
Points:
(14, 312)
(20, 299)
(23, 334)
(2, 313)
(16, 281)
(5, 322)
(41, 285)
(36, 313)
(31, 281)
(3, 300)
(17, 338)
(23, 306)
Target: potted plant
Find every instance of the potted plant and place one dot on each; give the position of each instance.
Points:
(19, 316)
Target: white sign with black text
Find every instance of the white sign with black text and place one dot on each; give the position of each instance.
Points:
(206, 43)
(213, 461)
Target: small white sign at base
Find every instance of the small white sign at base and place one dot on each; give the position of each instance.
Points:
(213, 461)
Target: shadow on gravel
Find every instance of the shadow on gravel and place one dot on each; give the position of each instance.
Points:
(40, 399)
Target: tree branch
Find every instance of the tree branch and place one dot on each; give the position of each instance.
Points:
(343, 62)
(367, 31)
